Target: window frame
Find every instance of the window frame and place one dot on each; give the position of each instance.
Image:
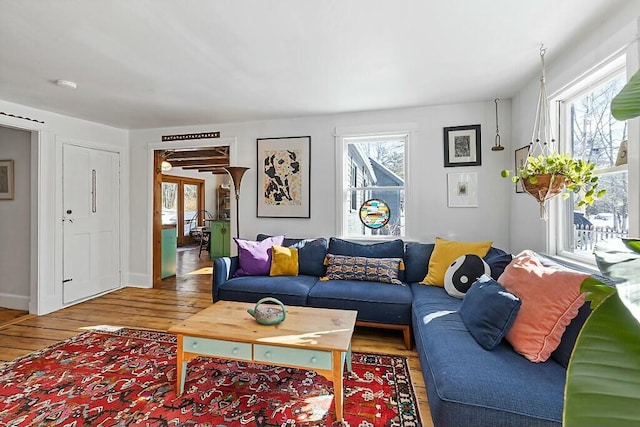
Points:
(561, 219)
(343, 138)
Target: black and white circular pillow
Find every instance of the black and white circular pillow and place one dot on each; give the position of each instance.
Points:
(461, 274)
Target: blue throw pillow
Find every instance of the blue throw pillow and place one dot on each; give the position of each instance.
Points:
(488, 310)
(416, 260)
(498, 261)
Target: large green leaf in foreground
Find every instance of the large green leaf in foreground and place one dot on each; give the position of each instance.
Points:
(603, 379)
(626, 104)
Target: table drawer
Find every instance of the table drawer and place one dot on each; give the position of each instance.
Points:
(220, 348)
(313, 359)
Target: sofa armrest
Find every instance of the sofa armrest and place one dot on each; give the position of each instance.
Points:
(223, 269)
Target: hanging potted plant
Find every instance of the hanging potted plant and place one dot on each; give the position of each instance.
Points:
(547, 173)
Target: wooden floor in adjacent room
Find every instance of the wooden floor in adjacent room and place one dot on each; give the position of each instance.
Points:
(178, 298)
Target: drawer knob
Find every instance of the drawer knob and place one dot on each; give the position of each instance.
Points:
(235, 350)
(314, 359)
(267, 354)
(195, 344)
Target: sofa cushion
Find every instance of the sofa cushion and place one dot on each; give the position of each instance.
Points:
(385, 270)
(445, 252)
(375, 301)
(284, 261)
(291, 290)
(392, 249)
(311, 253)
(255, 256)
(550, 298)
(497, 260)
(416, 260)
(488, 311)
(469, 386)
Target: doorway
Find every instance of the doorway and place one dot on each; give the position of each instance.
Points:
(205, 158)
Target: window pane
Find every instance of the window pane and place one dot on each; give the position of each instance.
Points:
(169, 202)
(374, 169)
(190, 207)
(394, 199)
(377, 162)
(595, 136)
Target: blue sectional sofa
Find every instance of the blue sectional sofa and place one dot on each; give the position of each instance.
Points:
(466, 385)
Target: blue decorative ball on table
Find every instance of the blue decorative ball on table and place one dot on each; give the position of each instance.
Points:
(462, 272)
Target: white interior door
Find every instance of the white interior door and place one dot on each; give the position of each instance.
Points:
(91, 213)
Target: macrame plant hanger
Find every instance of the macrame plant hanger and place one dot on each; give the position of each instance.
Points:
(543, 143)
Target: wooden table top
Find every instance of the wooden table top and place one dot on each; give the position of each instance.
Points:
(303, 327)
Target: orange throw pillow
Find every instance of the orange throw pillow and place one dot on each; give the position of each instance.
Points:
(550, 300)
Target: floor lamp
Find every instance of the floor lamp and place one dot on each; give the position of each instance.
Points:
(236, 172)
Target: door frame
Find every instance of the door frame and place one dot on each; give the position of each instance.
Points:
(155, 185)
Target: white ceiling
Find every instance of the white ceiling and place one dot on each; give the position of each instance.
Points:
(159, 63)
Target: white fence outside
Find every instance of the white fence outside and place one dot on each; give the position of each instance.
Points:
(585, 237)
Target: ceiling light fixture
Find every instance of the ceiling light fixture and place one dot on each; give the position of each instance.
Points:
(67, 84)
(165, 166)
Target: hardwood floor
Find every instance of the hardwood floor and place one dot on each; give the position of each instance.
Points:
(176, 299)
(9, 316)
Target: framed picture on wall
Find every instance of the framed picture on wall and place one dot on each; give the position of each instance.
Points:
(521, 158)
(7, 186)
(462, 146)
(462, 190)
(284, 177)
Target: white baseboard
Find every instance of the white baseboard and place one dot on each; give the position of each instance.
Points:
(14, 302)
(138, 280)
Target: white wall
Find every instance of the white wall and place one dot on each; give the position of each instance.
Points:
(427, 211)
(615, 34)
(46, 202)
(15, 226)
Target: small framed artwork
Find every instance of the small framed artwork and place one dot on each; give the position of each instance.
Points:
(521, 158)
(7, 186)
(284, 177)
(462, 146)
(462, 190)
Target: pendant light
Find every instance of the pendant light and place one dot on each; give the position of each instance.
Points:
(497, 146)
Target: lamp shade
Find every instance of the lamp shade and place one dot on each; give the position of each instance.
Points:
(236, 173)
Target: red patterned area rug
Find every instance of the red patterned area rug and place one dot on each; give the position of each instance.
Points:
(127, 378)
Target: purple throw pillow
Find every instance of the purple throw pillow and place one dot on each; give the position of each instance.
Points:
(255, 257)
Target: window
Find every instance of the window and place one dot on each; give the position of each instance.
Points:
(589, 131)
(374, 168)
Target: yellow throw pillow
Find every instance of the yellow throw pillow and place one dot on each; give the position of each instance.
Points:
(445, 252)
(284, 261)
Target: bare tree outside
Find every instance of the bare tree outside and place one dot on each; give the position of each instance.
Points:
(595, 137)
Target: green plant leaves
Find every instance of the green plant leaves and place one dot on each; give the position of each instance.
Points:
(596, 291)
(626, 104)
(602, 380)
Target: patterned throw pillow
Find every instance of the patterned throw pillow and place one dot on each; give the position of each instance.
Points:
(385, 270)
